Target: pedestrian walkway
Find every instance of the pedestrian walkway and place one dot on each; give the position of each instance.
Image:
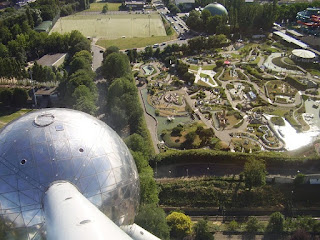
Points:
(269, 65)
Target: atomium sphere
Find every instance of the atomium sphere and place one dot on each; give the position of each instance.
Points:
(61, 144)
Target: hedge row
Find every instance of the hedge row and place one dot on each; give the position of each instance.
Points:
(193, 156)
(295, 83)
(201, 193)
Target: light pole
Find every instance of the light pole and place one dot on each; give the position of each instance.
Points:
(149, 25)
(34, 94)
(187, 172)
(292, 211)
(156, 169)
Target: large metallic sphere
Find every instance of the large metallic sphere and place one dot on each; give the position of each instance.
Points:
(60, 144)
(216, 9)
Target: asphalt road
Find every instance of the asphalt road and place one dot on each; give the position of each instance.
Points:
(97, 55)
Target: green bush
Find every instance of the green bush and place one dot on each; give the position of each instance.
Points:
(277, 121)
(233, 226)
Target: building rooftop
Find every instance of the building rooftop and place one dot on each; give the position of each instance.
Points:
(44, 26)
(44, 91)
(177, 2)
(301, 53)
(294, 33)
(50, 60)
(289, 39)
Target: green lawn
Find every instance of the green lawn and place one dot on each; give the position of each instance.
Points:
(112, 26)
(314, 72)
(277, 61)
(276, 111)
(97, 7)
(256, 61)
(288, 61)
(136, 42)
(194, 67)
(208, 67)
(205, 67)
(8, 116)
(200, 83)
(203, 75)
(236, 56)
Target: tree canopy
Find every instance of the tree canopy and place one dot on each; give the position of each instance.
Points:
(201, 231)
(180, 225)
(254, 173)
(152, 218)
(276, 223)
(115, 65)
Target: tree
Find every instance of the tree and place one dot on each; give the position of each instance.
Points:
(105, 8)
(253, 225)
(201, 231)
(300, 235)
(194, 21)
(19, 97)
(191, 136)
(4, 52)
(153, 219)
(148, 187)
(299, 179)
(137, 143)
(276, 223)
(213, 23)
(140, 160)
(6, 96)
(180, 225)
(182, 68)
(68, 87)
(78, 63)
(176, 131)
(148, 52)
(78, 42)
(81, 77)
(84, 100)
(306, 223)
(109, 50)
(115, 65)
(205, 15)
(254, 173)
(219, 63)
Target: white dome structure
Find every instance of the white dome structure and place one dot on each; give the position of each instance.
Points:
(303, 55)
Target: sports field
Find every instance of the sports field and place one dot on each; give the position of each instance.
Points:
(109, 26)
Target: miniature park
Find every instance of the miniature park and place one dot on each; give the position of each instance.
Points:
(254, 95)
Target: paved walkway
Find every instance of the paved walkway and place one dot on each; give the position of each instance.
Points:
(268, 64)
(151, 121)
(210, 73)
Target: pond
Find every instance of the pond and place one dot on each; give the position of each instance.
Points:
(163, 122)
(294, 140)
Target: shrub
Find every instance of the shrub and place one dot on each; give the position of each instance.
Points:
(232, 226)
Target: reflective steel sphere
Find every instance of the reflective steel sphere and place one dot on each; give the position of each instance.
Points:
(61, 144)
